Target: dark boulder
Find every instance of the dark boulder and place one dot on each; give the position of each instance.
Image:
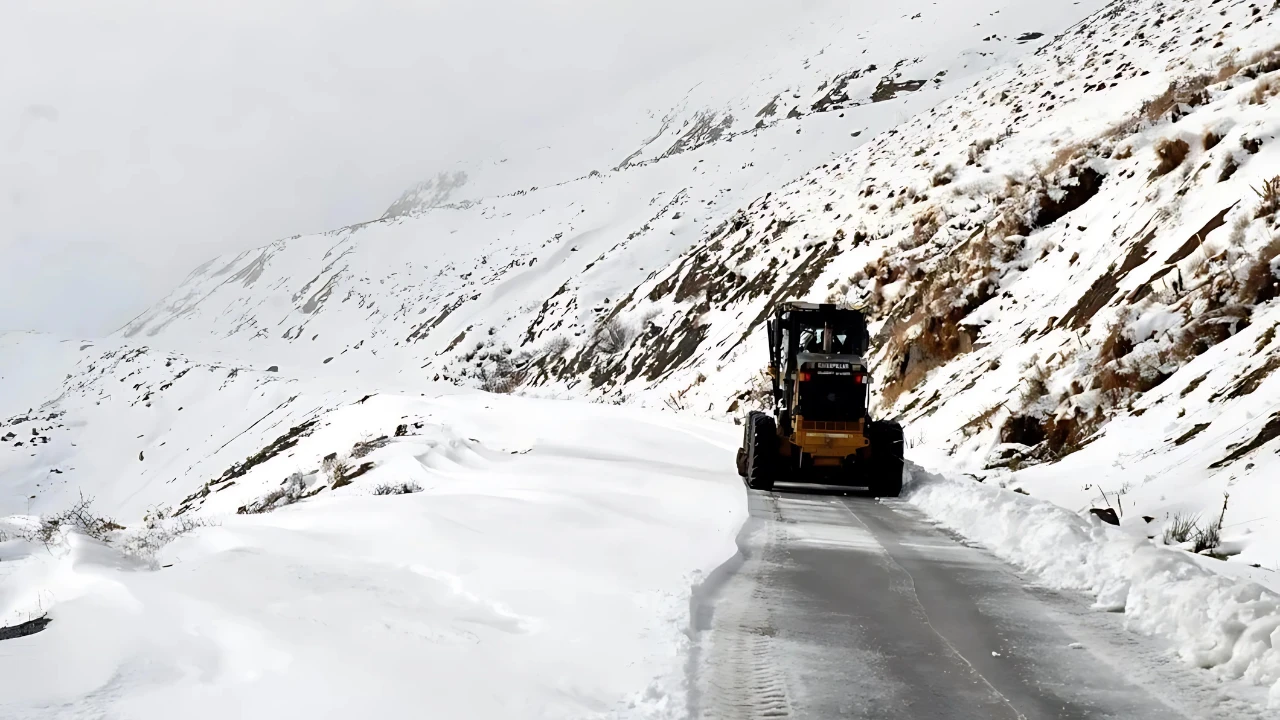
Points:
(1107, 515)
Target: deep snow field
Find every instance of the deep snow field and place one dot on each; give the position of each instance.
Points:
(549, 549)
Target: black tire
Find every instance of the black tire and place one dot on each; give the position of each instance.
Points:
(741, 459)
(885, 458)
(762, 451)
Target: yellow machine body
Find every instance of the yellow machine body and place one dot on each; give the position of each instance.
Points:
(828, 443)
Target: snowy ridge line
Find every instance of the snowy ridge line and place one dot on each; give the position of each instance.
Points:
(1112, 6)
(1227, 625)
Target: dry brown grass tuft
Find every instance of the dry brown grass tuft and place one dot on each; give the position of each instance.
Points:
(1264, 90)
(1187, 91)
(1210, 139)
(1115, 345)
(940, 341)
(1268, 198)
(1171, 154)
(924, 227)
(982, 421)
(1064, 156)
(1260, 283)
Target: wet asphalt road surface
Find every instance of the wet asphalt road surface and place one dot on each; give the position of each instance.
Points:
(848, 607)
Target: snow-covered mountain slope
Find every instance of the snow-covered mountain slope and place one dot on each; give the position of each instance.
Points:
(419, 290)
(1070, 265)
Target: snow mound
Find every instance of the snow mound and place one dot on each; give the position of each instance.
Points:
(348, 553)
(1229, 625)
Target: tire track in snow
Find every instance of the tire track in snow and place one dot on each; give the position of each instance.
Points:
(740, 679)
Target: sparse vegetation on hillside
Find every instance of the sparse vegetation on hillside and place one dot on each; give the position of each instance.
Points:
(613, 336)
(159, 527)
(400, 488)
(80, 517)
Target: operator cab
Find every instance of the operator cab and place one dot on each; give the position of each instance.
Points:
(819, 358)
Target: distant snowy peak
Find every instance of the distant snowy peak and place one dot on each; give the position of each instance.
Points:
(428, 194)
(859, 57)
(681, 130)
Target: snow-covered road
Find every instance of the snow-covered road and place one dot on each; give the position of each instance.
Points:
(849, 607)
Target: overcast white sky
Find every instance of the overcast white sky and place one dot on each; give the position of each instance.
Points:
(139, 138)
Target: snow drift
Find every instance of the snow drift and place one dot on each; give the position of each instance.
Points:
(542, 547)
(1229, 625)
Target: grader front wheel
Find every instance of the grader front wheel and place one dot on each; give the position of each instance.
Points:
(761, 451)
(885, 460)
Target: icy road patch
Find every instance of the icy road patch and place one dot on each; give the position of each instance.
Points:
(544, 571)
(1228, 625)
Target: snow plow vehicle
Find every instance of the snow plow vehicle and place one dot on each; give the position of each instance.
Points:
(820, 430)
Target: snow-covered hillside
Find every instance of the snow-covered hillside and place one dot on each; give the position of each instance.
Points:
(1071, 265)
(418, 291)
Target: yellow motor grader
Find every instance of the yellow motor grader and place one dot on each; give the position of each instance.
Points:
(820, 430)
